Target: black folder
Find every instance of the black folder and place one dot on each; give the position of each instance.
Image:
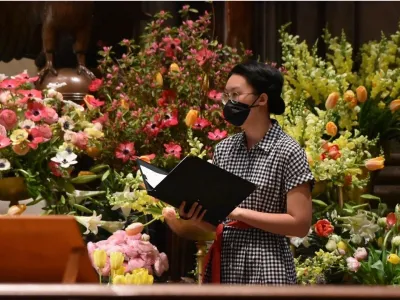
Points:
(194, 179)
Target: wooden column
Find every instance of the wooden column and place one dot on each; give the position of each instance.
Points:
(239, 23)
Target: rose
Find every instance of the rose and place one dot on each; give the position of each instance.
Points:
(8, 119)
(323, 228)
(360, 254)
(353, 264)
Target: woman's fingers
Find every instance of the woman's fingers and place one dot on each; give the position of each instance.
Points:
(182, 209)
(197, 212)
(192, 210)
(202, 215)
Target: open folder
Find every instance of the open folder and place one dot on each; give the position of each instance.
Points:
(196, 180)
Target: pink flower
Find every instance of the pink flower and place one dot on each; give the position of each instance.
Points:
(29, 94)
(203, 56)
(173, 149)
(43, 131)
(70, 136)
(170, 119)
(170, 46)
(217, 135)
(6, 98)
(4, 141)
(24, 77)
(102, 120)
(135, 263)
(360, 254)
(95, 85)
(3, 131)
(214, 95)
(10, 84)
(36, 111)
(161, 264)
(92, 102)
(125, 151)
(8, 119)
(51, 115)
(55, 169)
(153, 128)
(81, 140)
(201, 123)
(353, 264)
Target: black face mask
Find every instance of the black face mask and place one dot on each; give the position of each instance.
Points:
(237, 113)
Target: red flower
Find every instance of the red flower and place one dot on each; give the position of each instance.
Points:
(201, 123)
(10, 84)
(217, 135)
(167, 96)
(214, 95)
(4, 142)
(323, 228)
(170, 46)
(28, 94)
(203, 56)
(43, 131)
(333, 152)
(125, 151)
(102, 120)
(391, 219)
(170, 119)
(173, 149)
(95, 85)
(92, 102)
(36, 111)
(55, 168)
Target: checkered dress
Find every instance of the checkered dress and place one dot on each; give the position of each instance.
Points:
(276, 165)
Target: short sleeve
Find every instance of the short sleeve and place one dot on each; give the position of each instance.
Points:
(215, 156)
(297, 170)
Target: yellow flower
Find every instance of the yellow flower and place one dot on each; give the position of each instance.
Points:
(16, 210)
(119, 279)
(394, 105)
(116, 260)
(93, 152)
(191, 117)
(139, 277)
(342, 246)
(332, 100)
(331, 129)
(174, 68)
(376, 163)
(362, 94)
(124, 104)
(159, 79)
(381, 105)
(380, 240)
(99, 258)
(94, 133)
(393, 259)
(120, 271)
(206, 83)
(18, 136)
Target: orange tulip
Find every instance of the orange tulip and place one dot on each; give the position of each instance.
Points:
(191, 117)
(376, 163)
(147, 158)
(93, 152)
(332, 100)
(352, 103)
(331, 129)
(349, 96)
(362, 94)
(394, 105)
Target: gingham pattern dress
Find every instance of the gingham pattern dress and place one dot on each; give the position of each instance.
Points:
(276, 165)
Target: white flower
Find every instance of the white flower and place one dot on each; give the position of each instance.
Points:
(331, 245)
(27, 124)
(74, 105)
(4, 164)
(91, 223)
(66, 123)
(2, 77)
(55, 85)
(65, 159)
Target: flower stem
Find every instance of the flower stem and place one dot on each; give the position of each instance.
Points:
(151, 221)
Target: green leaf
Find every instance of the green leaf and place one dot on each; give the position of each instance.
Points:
(62, 200)
(84, 179)
(82, 208)
(370, 197)
(319, 202)
(105, 175)
(193, 10)
(98, 168)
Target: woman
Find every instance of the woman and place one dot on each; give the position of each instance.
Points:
(254, 247)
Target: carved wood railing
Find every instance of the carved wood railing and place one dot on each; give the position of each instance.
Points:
(192, 292)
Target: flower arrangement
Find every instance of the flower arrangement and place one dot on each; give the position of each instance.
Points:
(362, 243)
(163, 96)
(127, 257)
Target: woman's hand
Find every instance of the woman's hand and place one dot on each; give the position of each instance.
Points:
(195, 215)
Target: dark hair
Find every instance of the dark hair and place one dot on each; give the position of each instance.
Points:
(264, 79)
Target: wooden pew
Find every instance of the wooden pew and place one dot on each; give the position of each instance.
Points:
(192, 292)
